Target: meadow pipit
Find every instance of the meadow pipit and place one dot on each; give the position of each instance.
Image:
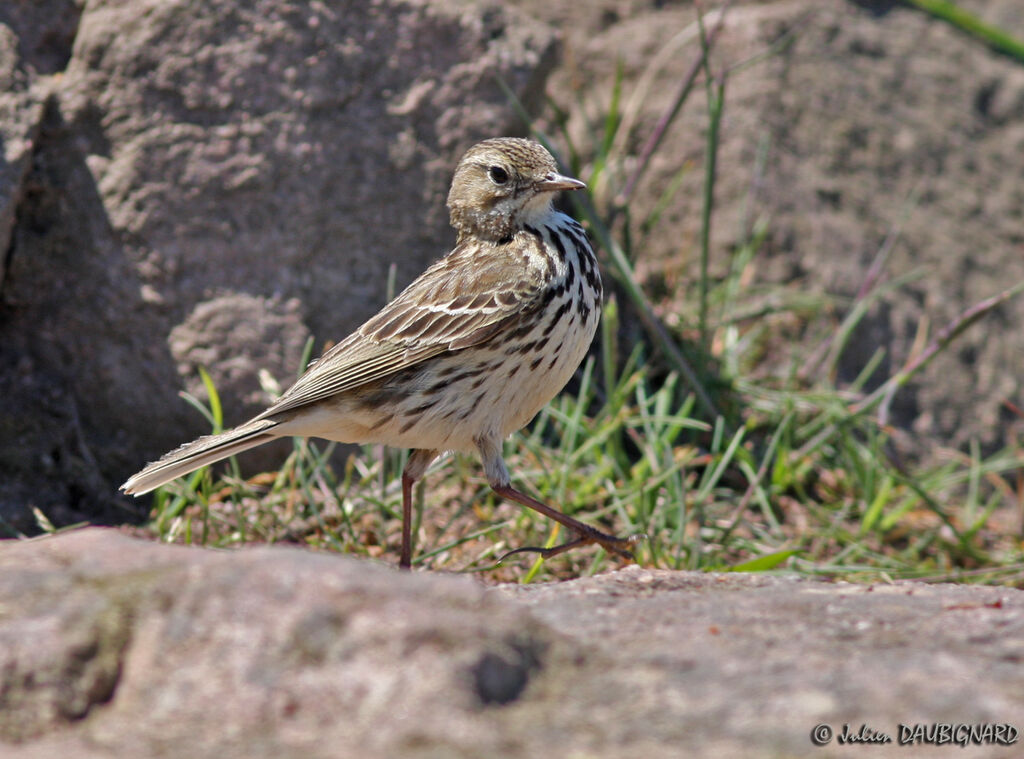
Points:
(465, 355)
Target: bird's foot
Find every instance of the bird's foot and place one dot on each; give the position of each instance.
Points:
(589, 536)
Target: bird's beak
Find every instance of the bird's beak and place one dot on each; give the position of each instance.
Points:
(554, 181)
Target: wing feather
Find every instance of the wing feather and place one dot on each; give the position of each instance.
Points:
(462, 300)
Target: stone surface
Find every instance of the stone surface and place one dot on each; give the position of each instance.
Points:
(45, 456)
(242, 335)
(21, 110)
(112, 646)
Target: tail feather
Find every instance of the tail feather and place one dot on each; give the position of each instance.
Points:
(200, 452)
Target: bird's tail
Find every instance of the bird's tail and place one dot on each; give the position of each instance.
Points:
(201, 452)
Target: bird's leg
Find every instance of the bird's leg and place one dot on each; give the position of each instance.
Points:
(498, 477)
(417, 464)
(586, 534)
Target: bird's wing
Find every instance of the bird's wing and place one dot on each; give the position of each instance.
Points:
(462, 300)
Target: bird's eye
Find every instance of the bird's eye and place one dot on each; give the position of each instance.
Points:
(498, 175)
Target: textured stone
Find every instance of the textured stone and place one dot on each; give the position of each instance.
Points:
(112, 646)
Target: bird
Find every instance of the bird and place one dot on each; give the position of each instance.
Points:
(464, 356)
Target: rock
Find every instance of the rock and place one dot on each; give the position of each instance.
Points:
(757, 661)
(112, 646)
(272, 651)
(45, 457)
(235, 337)
(21, 112)
(44, 31)
(75, 341)
(191, 153)
(45, 461)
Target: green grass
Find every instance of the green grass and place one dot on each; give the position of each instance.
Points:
(969, 24)
(689, 435)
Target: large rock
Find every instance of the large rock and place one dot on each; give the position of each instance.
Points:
(112, 647)
(34, 39)
(44, 459)
(195, 155)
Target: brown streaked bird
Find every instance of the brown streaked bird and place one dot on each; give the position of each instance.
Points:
(465, 355)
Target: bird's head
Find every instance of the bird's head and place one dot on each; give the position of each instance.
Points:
(501, 185)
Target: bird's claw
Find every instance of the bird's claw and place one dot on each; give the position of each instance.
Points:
(610, 543)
